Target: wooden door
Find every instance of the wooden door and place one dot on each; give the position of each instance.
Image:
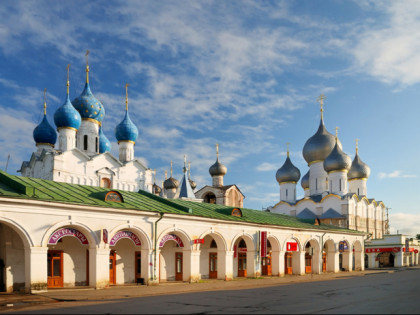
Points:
(308, 263)
(288, 263)
(242, 265)
(178, 267)
(55, 269)
(266, 266)
(324, 262)
(213, 266)
(137, 266)
(112, 267)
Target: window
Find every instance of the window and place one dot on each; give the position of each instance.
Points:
(236, 212)
(85, 142)
(213, 244)
(286, 193)
(316, 183)
(97, 144)
(340, 185)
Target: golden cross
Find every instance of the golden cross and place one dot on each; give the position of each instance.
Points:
(217, 150)
(321, 99)
(87, 66)
(171, 168)
(45, 101)
(357, 146)
(68, 76)
(155, 176)
(166, 174)
(336, 132)
(87, 54)
(126, 96)
(189, 169)
(287, 144)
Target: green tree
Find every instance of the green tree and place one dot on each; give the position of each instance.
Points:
(418, 236)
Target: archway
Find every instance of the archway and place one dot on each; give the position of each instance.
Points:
(212, 256)
(386, 259)
(209, 198)
(293, 262)
(312, 261)
(345, 256)
(244, 257)
(329, 263)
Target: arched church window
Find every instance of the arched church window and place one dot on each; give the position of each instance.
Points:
(97, 144)
(210, 198)
(85, 142)
(316, 183)
(286, 193)
(105, 183)
(213, 244)
(242, 244)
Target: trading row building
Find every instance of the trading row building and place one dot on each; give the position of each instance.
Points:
(78, 216)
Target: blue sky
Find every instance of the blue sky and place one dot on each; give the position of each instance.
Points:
(244, 74)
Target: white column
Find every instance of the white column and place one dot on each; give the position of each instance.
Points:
(298, 263)
(227, 265)
(126, 150)
(333, 264)
(316, 262)
(276, 258)
(252, 265)
(347, 260)
(399, 259)
(66, 139)
(288, 192)
(36, 269)
(192, 266)
(147, 265)
(99, 267)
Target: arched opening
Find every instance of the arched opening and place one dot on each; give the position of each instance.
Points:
(309, 251)
(291, 258)
(211, 257)
(125, 263)
(210, 198)
(242, 259)
(328, 257)
(386, 259)
(171, 259)
(68, 258)
(366, 261)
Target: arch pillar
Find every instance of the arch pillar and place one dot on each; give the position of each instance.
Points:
(316, 262)
(227, 264)
(99, 267)
(36, 269)
(276, 262)
(192, 266)
(147, 265)
(252, 264)
(347, 260)
(298, 263)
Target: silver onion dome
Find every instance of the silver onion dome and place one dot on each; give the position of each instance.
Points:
(337, 160)
(171, 183)
(156, 189)
(217, 169)
(305, 181)
(320, 145)
(288, 172)
(358, 169)
(193, 184)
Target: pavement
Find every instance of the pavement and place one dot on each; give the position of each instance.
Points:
(16, 301)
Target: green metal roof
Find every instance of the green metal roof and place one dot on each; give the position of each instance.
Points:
(12, 186)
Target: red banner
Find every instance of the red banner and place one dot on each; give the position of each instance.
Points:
(263, 244)
(199, 241)
(291, 247)
(383, 250)
(67, 232)
(410, 250)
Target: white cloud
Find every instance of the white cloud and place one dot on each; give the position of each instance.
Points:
(395, 174)
(267, 167)
(404, 223)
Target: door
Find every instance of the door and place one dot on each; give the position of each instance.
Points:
(308, 263)
(55, 269)
(137, 267)
(242, 265)
(213, 266)
(178, 267)
(288, 263)
(266, 266)
(324, 261)
(112, 267)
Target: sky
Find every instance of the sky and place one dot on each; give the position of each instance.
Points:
(243, 74)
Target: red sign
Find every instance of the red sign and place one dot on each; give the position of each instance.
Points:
(57, 235)
(125, 234)
(105, 236)
(171, 237)
(199, 241)
(383, 250)
(416, 251)
(409, 250)
(291, 247)
(263, 244)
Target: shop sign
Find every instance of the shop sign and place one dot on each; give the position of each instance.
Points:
(291, 246)
(416, 251)
(410, 250)
(199, 241)
(343, 246)
(383, 250)
(57, 235)
(263, 244)
(171, 237)
(125, 234)
(105, 236)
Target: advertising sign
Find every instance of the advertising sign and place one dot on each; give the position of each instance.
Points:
(383, 250)
(171, 237)
(57, 235)
(291, 246)
(125, 234)
(343, 246)
(263, 244)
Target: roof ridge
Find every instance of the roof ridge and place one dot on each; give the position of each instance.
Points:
(10, 181)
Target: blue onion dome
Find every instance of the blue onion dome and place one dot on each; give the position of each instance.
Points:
(171, 183)
(104, 143)
(359, 169)
(337, 160)
(126, 130)
(319, 146)
(305, 181)
(89, 106)
(44, 133)
(288, 172)
(66, 116)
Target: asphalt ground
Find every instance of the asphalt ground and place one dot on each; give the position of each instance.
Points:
(10, 302)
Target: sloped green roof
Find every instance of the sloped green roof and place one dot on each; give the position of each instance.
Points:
(46, 190)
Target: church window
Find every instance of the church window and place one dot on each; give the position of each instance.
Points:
(286, 193)
(236, 212)
(105, 183)
(340, 185)
(330, 185)
(242, 244)
(85, 142)
(358, 191)
(210, 198)
(97, 144)
(316, 183)
(326, 183)
(213, 244)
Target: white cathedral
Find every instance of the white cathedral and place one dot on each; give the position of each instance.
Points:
(335, 187)
(83, 154)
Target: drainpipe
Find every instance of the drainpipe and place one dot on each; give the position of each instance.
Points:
(155, 249)
(322, 250)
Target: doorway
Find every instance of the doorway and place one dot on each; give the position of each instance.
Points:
(137, 267)
(288, 270)
(178, 267)
(242, 265)
(213, 266)
(112, 267)
(266, 266)
(55, 269)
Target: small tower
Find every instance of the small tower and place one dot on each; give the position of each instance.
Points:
(92, 112)
(68, 120)
(358, 175)
(184, 189)
(170, 185)
(126, 133)
(217, 170)
(287, 176)
(337, 164)
(44, 135)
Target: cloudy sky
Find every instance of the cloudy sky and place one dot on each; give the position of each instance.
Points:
(244, 74)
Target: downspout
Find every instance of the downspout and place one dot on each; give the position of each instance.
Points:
(321, 251)
(155, 249)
